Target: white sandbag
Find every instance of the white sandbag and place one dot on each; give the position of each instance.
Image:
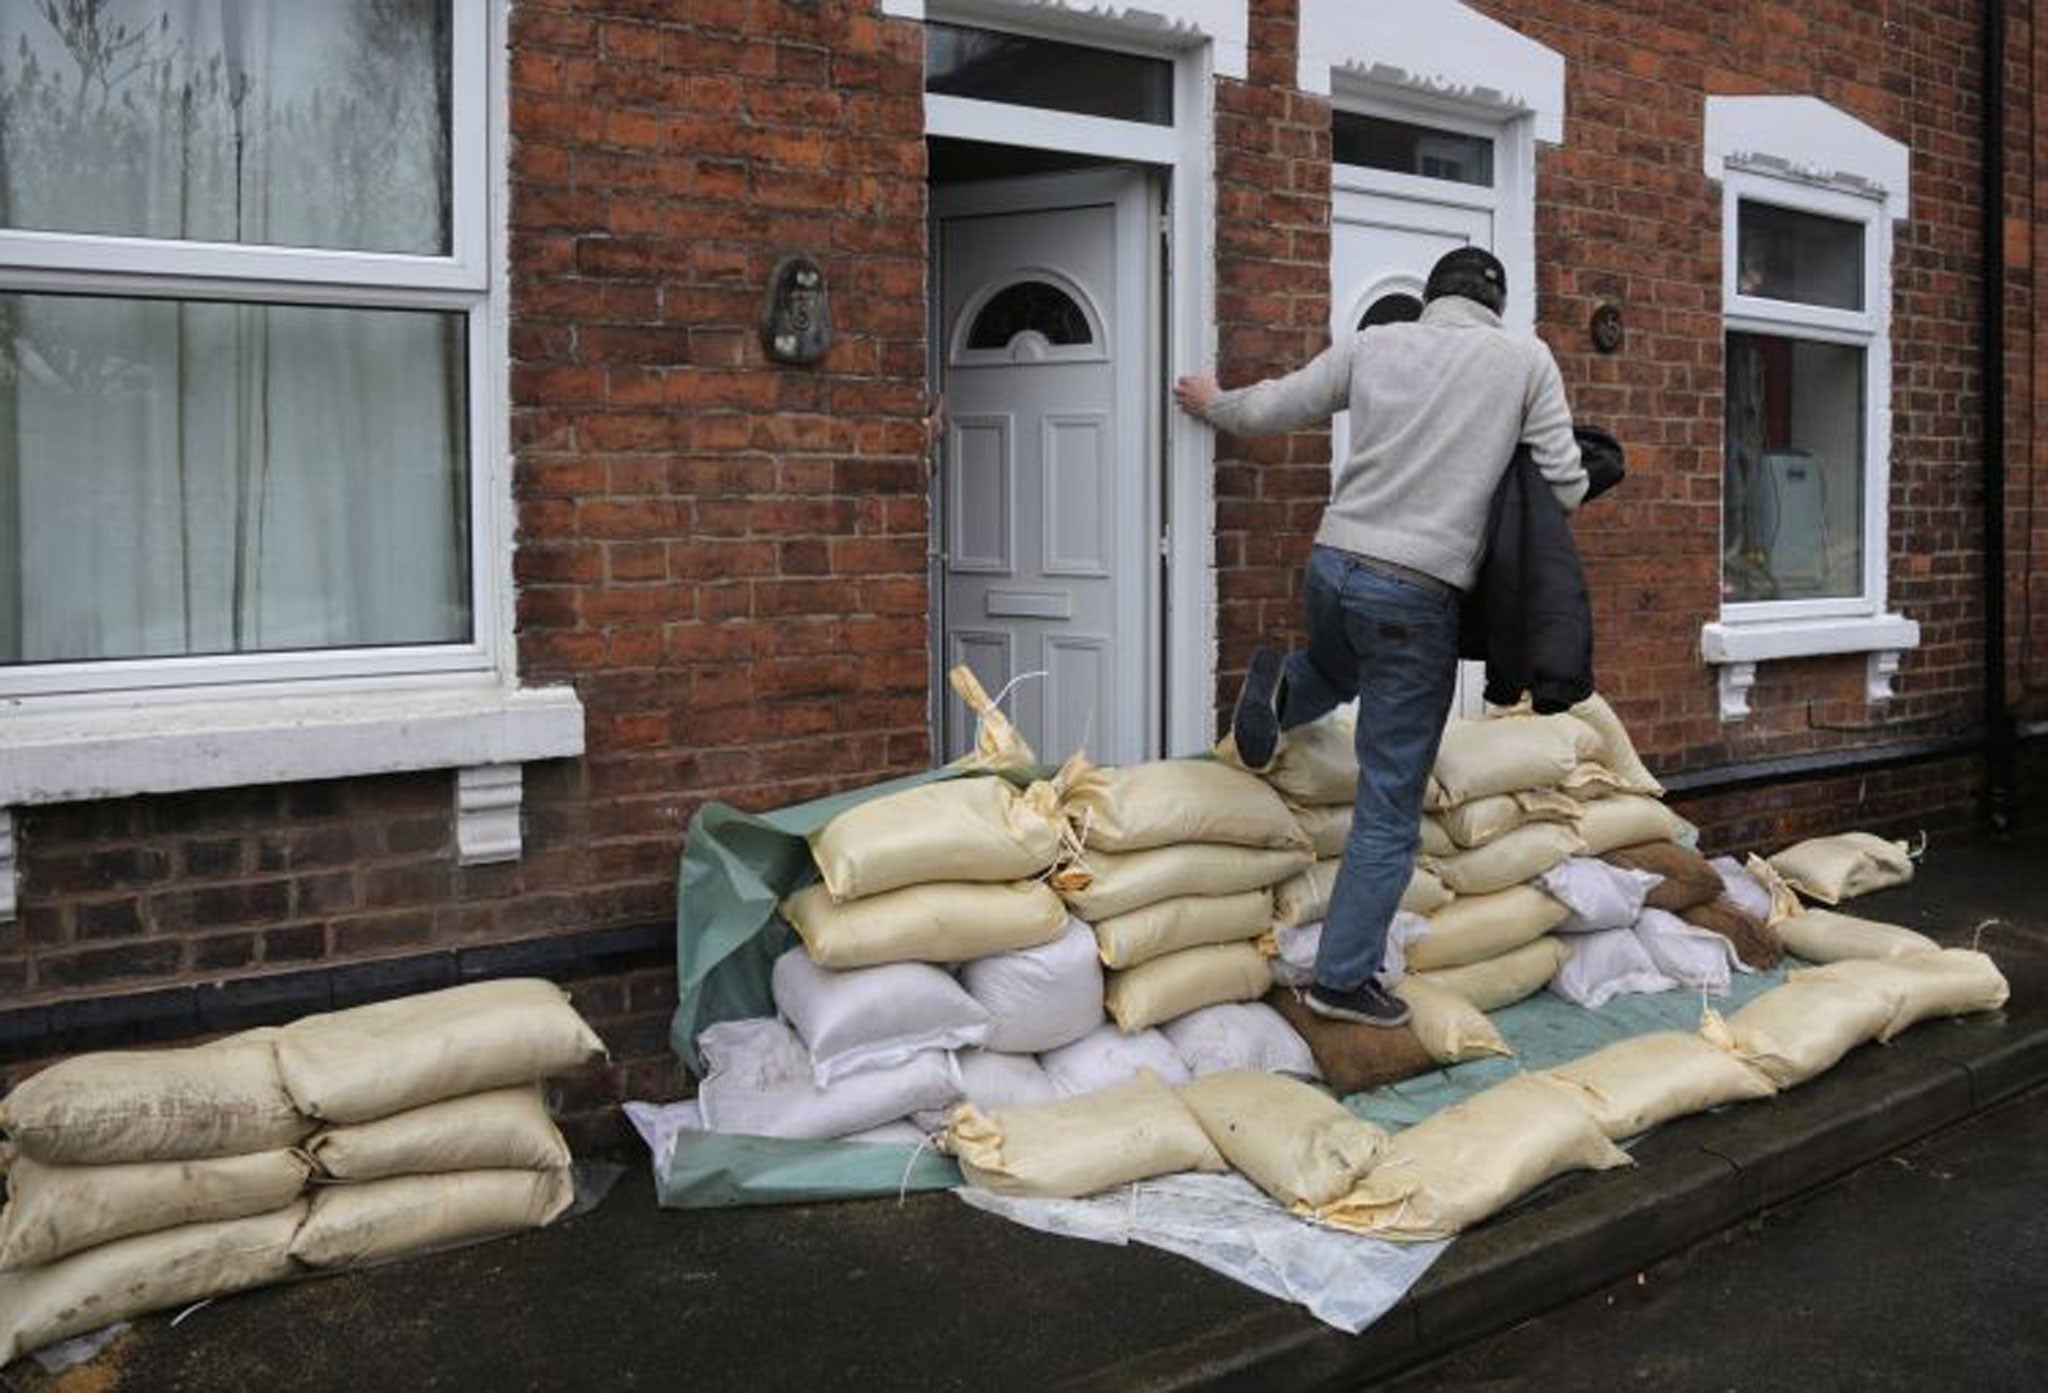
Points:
(873, 1017)
(1240, 1035)
(1473, 928)
(1105, 883)
(1513, 858)
(373, 1061)
(1794, 1032)
(1598, 895)
(1483, 820)
(1644, 1081)
(355, 1225)
(1825, 936)
(990, 1080)
(1169, 801)
(503, 1129)
(1743, 890)
(1697, 959)
(1605, 965)
(1426, 894)
(221, 1099)
(1079, 1146)
(758, 1083)
(1106, 1057)
(1472, 1159)
(1039, 998)
(54, 1211)
(1617, 752)
(1837, 868)
(1327, 828)
(902, 1132)
(1514, 976)
(1627, 819)
(150, 1272)
(1291, 950)
(1187, 921)
(1450, 1028)
(1436, 841)
(1506, 754)
(980, 829)
(1921, 986)
(947, 921)
(1171, 986)
(1292, 1140)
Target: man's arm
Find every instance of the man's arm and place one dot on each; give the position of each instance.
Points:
(1307, 397)
(1547, 428)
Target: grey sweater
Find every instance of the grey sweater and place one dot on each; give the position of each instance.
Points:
(1437, 408)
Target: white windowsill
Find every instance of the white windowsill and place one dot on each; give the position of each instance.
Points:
(1735, 648)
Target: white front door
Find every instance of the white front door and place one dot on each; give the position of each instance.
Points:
(1046, 490)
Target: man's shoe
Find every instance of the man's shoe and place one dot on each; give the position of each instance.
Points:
(1255, 723)
(1369, 1004)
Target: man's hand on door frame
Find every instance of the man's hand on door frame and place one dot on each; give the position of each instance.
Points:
(1196, 394)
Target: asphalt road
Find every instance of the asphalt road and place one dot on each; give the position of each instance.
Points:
(1924, 1270)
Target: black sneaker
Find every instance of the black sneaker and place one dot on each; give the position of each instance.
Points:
(1369, 1004)
(1255, 723)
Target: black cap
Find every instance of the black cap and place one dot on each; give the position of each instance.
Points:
(1472, 272)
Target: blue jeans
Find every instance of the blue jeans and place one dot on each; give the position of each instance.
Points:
(1393, 645)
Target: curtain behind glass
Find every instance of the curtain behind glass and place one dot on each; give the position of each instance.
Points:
(187, 478)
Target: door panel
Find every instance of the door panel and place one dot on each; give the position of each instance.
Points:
(1045, 473)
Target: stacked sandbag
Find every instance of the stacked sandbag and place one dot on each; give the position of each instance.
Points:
(433, 1130)
(1178, 860)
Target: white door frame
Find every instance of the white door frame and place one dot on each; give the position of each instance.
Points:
(1134, 346)
(1183, 637)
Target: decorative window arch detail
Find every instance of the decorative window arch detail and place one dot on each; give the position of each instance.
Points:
(1034, 316)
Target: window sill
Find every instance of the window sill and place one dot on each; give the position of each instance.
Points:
(1735, 648)
(486, 733)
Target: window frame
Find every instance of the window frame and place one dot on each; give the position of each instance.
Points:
(1868, 329)
(468, 280)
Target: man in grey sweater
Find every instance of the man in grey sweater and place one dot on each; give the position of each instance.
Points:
(1437, 408)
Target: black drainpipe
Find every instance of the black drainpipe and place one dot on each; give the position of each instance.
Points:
(1998, 731)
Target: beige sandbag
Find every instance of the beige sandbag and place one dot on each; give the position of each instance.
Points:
(998, 747)
(1513, 858)
(1505, 754)
(1635, 1084)
(1472, 1159)
(1292, 1140)
(956, 829)
(1169, 801)
(1451, 1028)
(1617, 752)
(1784, 903)
(1794, 1032)
(373, 1061)
(1436, 841)
(1317, 762)
(150, 1272)
(355, 1225)
(504, 1129)
(1825, 936)
(1106, 883)
(1327, 828)
(1921, 986)
(946, 921)
(1483, 819)
(1514, 976)
(1473, 928)
(1302, 899)
(1079, 1146)
(221, 1099)
(54, 1211)
(1192, 921)
(1837, 868)
(1171, 986)
(1627, 819)
(1426, 893)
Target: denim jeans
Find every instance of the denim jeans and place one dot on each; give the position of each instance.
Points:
(1392, 644)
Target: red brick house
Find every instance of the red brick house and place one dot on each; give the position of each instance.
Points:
(406, 522)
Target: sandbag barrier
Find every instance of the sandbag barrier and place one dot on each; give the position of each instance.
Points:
(150, 1179)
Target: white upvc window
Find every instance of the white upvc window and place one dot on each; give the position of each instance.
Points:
(1809, 197)
(252, 393)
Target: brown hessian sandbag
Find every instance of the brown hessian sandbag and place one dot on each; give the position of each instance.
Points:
(1758, 946)
(1688, 879)
(1353, 1058)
